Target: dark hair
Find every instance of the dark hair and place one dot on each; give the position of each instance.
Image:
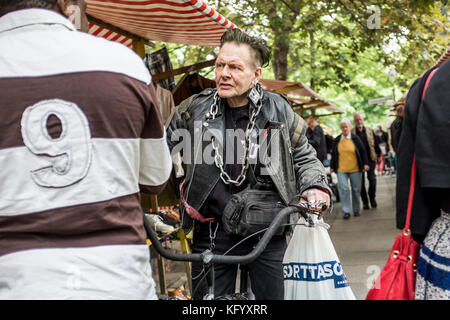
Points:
(261, 49)
(12, 5)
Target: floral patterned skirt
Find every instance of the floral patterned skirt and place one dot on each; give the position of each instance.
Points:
(433, 267)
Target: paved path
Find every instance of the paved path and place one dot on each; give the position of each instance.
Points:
(363, 243)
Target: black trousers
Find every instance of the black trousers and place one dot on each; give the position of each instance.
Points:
(265, 273)
(370, 195)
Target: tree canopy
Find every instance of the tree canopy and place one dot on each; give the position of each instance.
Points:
(347, 51)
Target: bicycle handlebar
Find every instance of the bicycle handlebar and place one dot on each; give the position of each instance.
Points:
(209, 257)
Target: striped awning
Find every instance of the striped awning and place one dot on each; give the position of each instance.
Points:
(444, 58)
(190, 22)
(289, 87)
(110, 35)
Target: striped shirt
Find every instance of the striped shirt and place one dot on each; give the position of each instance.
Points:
(80, 136)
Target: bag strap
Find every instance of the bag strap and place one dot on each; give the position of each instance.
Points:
(414, 168)
(428, 82)
(411, 196)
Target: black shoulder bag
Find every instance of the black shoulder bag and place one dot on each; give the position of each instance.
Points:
(252, 210)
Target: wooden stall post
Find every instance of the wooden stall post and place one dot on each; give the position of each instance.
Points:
(139, 47)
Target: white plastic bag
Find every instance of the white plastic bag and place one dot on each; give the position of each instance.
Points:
(311, 267)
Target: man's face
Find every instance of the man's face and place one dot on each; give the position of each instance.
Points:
(345, 127)
(236, 72)
(359, 121)
(310, 122)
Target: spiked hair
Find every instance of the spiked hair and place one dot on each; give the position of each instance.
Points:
(259, 46)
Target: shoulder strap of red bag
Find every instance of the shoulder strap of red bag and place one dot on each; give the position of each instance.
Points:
(414, 166)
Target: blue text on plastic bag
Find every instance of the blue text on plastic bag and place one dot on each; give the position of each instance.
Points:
(316, 272)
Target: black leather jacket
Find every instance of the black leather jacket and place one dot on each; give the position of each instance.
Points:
(293, 169)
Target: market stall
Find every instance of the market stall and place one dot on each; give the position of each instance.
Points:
(302, 98)
(190, 22)
(138, 23)
(444, 58)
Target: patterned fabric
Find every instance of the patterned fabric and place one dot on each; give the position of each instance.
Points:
(95, 30)
(433, 269)
(159, 62)
(190, 22)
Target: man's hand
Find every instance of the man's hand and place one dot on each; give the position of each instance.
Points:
(366, 167)
(316, 198)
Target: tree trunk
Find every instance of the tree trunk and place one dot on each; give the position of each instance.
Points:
(312, 52)
(280, 55)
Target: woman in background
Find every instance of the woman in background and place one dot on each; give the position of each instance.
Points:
(349, 159)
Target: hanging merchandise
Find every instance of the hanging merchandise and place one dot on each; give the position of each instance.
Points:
(158, 62)
(166, 104)
(190, 84)
(311, 267)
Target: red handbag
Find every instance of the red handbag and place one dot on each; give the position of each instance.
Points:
(397, 280)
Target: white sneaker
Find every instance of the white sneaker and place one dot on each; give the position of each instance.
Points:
(156, 222)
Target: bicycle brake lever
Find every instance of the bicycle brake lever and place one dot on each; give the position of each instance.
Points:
(304, 209)
(308, 207)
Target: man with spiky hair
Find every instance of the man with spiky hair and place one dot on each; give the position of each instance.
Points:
(239, 104)
(80, 136)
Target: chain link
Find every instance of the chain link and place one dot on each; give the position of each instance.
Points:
(218, 159)
(212, 236)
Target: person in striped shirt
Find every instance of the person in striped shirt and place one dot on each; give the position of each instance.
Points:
(80, 137)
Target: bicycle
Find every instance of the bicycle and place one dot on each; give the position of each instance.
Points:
(208, 258)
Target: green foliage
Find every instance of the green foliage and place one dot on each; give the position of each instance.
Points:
(339, 47)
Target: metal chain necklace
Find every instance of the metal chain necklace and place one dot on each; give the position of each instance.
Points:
(218, 159)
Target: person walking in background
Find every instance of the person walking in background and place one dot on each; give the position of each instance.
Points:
(383, 144)
(348, 160)
(316, 138)
(396, 128)
(397, 124)
(369, 141)
(389, 166)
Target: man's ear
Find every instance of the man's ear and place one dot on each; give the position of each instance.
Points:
(258, 73)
